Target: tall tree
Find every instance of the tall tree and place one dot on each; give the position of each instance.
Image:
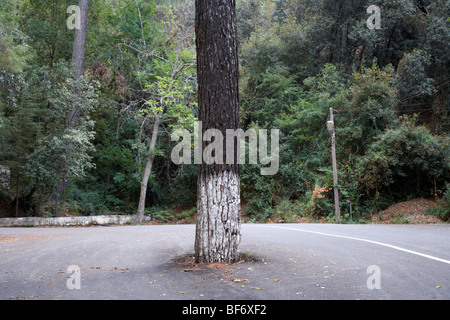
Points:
(79, 46)
(168, 87)
(218, 195)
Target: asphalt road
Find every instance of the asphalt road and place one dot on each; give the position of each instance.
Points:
(291, 261)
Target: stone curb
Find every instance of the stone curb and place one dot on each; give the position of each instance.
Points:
(68, 221)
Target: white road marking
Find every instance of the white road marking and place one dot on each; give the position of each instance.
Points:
(364, 240)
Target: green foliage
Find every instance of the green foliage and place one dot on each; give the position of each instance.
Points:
(64, 152)
(86, 202)
(442, 209)
(36, 142)
(256, 190)
(412, 74)
(298, 59)
(187, 215)
(404, 162)
(181, 189)
(288, 211)
(19, 127)
(318, 203)
(116, 167)
(160, 213)
(44, 23)
(372, 97)
(53, 161)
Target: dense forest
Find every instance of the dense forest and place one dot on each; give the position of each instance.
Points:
(388, 88)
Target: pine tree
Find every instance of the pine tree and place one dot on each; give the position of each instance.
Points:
(218, 194)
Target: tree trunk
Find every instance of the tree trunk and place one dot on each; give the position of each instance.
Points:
(17, 195)
(79, 45)
(147, 172)
(79, 40)
(218, 191)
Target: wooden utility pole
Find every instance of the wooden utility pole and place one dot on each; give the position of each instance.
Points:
(330, 127)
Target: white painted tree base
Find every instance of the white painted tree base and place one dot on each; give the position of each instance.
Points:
(218, 232)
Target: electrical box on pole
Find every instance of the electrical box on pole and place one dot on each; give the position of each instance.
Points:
(331, 130)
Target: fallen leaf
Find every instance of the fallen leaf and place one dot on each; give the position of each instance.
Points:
(240, 280)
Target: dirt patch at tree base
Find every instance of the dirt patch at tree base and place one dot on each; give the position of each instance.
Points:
(187, 263)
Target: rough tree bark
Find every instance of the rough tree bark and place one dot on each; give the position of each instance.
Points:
(79, 40)
(218, 195)
(79, 45)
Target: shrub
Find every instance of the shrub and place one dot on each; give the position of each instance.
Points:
(288, 211)
(186, 216)
(320, 203)
(442, 210)
(86, 202)
(160, 213)
(404, 162)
